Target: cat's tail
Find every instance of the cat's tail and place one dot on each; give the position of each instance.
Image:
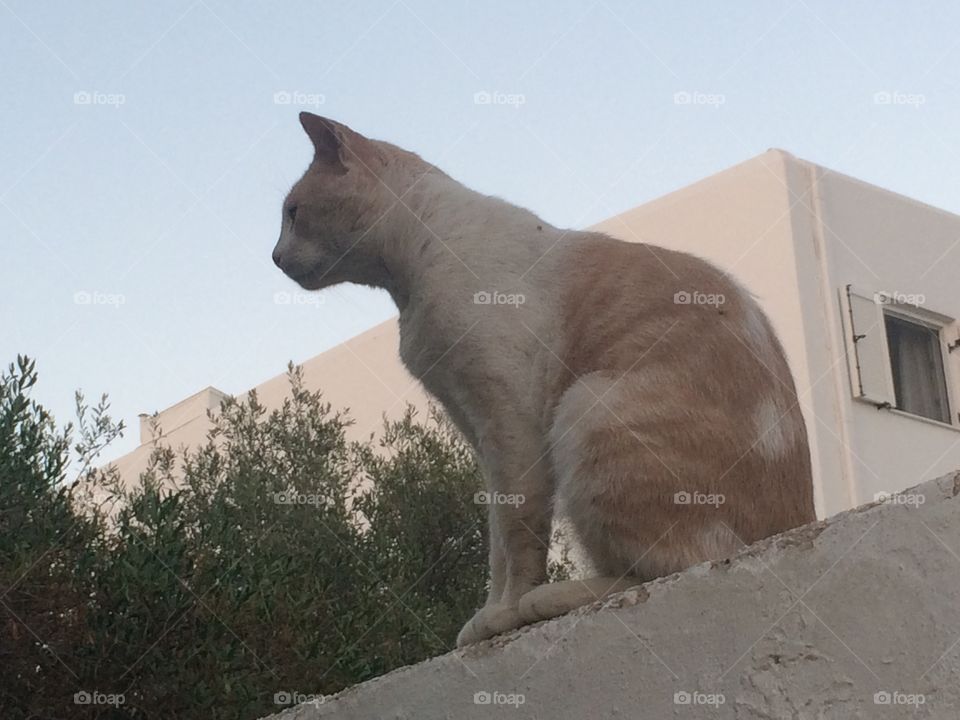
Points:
(553, 599)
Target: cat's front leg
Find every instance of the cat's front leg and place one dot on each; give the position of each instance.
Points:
(497, 559)
(519, 518)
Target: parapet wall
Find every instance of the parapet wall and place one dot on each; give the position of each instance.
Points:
(857, 616)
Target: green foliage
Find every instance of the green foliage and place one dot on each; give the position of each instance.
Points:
(275, 562)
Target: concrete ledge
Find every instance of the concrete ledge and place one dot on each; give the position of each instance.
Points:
(854, 617)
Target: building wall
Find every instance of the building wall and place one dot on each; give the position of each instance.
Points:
(824, 364)
(363, 376)
(879, 241)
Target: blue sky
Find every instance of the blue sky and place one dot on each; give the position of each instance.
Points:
(147, 147)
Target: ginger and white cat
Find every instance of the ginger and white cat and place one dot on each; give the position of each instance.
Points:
(637, 392)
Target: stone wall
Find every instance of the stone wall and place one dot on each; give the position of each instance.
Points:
(854, 617)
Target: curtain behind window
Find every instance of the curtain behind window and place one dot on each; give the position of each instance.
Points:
(917, 364)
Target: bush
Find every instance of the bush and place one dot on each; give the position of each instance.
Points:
(275, 562)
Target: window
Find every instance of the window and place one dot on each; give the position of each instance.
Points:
(916, 363)
(896, 355)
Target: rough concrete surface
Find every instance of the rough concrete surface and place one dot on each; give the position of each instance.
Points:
(857, 616)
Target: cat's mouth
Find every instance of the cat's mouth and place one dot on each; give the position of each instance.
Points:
(309, 280)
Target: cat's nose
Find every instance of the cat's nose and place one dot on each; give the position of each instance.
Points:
(277, 257)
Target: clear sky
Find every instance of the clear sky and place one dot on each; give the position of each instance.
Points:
(146, 147)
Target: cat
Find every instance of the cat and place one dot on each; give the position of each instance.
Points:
(636, 392)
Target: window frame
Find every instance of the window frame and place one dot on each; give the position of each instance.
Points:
(910, 314)
(943, 325)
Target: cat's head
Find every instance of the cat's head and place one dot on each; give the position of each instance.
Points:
(329, 230)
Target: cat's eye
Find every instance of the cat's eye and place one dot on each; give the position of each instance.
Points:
(292, 214)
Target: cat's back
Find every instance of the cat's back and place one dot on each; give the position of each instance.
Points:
(677, 372)
(638, 308)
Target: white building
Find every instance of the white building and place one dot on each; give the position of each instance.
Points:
(860, 284)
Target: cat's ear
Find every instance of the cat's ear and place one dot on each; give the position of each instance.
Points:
(329, 139)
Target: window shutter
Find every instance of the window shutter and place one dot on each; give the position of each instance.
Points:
(867, 353)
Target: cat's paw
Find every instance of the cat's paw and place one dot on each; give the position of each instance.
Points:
(488, 621)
